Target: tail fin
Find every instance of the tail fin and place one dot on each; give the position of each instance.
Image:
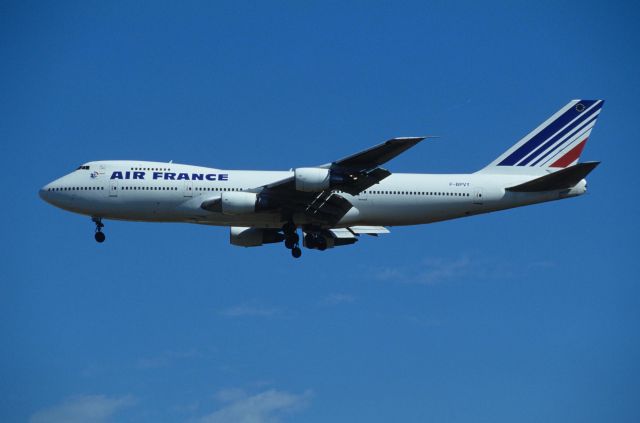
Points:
(557, 143)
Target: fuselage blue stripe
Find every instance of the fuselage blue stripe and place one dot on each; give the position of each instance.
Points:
(545, 133)
(581, 131)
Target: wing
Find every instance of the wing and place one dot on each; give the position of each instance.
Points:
(375, 156)
(352, 174)
(325, 206)
(359, 171)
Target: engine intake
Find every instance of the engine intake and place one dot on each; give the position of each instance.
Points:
(312, 179)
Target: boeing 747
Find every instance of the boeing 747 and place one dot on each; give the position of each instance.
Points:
(332, 204)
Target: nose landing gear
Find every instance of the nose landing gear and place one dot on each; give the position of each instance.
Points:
(99, 236)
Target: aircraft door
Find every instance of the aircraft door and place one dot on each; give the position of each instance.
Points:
(113, 188)
(188, 189)
(477, 196)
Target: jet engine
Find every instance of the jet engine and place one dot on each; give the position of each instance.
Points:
(253, 237)
(238, 202)
(312, 179)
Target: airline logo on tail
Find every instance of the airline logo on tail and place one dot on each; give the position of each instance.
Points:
(559, 141)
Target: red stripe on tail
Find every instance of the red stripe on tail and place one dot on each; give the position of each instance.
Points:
(571, 156)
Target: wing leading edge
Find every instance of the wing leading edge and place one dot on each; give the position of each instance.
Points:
(376, 155)
(352, 174)
(361, 170)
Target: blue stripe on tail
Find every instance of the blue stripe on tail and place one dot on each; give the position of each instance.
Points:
(562, 144)
(548, 132)
(587, 116)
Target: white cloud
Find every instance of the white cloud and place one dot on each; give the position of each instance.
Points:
(83, 409)
(250, 310)
(390, 274)
(266, 407)
(338, 298)
(230, 394)
(438, 270)
(430, 271)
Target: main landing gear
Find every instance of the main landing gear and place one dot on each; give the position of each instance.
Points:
(315, 241)
(99, 236)
(292, 239)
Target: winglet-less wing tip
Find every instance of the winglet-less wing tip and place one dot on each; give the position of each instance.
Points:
(408, 140)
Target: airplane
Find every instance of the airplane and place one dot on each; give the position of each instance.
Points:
(335, 203)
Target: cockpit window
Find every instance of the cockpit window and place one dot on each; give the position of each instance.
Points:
(83, 167)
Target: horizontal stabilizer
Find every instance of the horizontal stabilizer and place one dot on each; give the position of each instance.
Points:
(562, 179)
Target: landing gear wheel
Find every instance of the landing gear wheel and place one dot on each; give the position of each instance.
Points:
(289, 228)
(315, 241)
(100, 237)
(296, 252)
(310, 241)
(291, 237)
(291, 240)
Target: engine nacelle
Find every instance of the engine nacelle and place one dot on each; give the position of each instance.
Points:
(312, 179)
(239, 202)
(253, 237)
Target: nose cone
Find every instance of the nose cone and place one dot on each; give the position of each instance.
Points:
(45, 193)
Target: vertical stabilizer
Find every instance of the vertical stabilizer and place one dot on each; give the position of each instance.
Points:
(555, 144)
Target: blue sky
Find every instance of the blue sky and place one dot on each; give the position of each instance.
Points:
(528, 315)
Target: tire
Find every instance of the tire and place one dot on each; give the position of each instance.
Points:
(100, 237)
(288, 228)
(310, 241)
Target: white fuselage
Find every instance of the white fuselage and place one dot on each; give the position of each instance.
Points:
(167, 192)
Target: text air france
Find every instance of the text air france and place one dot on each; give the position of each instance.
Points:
(172, 176)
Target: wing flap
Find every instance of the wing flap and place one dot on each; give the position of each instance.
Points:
(342, 233)
(369, 230)
(329, 207)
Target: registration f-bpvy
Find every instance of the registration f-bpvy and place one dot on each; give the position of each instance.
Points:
(333, 204)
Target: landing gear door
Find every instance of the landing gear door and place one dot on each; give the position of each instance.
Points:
(477, 196)
(113, 188)
(188, 189)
